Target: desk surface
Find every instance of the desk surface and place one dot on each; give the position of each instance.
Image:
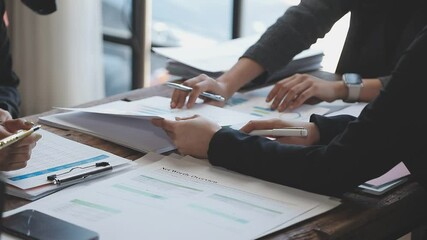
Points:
(361, 216)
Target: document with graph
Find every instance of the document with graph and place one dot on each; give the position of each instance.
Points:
(181, 199)
(253, 103)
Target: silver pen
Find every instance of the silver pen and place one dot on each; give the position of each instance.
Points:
(189, 89)
(99, 169)
(281, 132)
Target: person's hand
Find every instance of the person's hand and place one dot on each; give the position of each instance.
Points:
(293, 91)
(15, 156)
(312, 137)
(4, 116)
(199, 84)
(191, 136)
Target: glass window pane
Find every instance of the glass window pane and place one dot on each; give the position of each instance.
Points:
(191, 22)
(258, 15)
(117, 68)
(116, 17)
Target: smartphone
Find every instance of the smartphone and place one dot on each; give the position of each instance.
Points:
(32, 224)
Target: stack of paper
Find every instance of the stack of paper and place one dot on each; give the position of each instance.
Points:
(188, 62)
(127, 123)
(183, 198)
(55, 155)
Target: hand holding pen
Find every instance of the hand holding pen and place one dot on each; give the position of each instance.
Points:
(16, 143)
(304, 133)
(211, 90)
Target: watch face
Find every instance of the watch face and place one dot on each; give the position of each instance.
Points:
(352, 78)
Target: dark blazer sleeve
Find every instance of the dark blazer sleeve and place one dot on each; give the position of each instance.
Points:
(9, 95)
(330, 127)
(295, 31)
(386, 133)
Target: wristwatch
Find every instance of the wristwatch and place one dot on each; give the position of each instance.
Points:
(354, 83)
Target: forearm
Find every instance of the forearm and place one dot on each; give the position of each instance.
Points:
(370, 90)
(244, 71)
(329, 169)
(296, 31)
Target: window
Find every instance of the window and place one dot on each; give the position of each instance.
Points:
(116, 20)
(124, 28)
(180, 23)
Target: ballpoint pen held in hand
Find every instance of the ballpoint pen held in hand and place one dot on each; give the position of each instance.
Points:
(189, 89)
(281, 132)
(21, 134)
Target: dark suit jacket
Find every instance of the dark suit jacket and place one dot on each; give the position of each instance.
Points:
(380, 30)
(9, 95)
(387, 132)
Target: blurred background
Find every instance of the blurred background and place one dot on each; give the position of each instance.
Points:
(92, 49)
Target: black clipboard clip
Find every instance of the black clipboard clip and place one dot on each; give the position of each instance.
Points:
(87, 172)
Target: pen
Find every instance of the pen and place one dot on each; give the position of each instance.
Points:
(21, 134)
(282, 132)
(101, 167)
(189, 89)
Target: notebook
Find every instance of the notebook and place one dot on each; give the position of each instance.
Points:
(390, 180)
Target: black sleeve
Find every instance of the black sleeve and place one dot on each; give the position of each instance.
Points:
(329, 127)
(9, 95)
(384, 80)
(296, 31)
(386, 132)
(42, 7)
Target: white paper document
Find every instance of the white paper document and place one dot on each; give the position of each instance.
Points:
(220, 57)
(55, 155)
(254, 104)
(179, 199)
(354, 110)
(159, 107)
(127, 123)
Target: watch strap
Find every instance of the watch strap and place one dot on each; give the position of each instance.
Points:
(353, 92)
(354, 85)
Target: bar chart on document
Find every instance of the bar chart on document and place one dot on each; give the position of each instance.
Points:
(253, 103)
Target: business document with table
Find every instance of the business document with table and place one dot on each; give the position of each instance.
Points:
(171, 192)
(126, 123)
(69, 161)
(169, 198)
(162, 191)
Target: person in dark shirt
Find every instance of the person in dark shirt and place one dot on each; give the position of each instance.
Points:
(16, 155)
(380, 30)
(345, 155)
(9, 81)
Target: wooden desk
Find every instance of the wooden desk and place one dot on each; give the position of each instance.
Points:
(360, 216)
